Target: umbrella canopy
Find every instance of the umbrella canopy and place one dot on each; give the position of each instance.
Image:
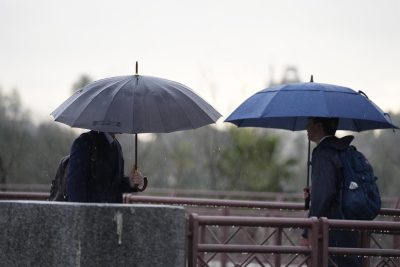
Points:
(135, 104)
(288, 107)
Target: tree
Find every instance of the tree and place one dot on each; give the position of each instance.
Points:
(252, 162)
(381, 150)
(14, 134)
(82, 81)
(51, 142)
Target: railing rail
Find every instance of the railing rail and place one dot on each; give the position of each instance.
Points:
(288, 206)
(317, 254)
(393, 202)
(7, 195)
(196, 248)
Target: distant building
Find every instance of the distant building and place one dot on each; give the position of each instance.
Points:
(290, 75)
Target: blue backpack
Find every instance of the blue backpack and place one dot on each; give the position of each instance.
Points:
(359, 193)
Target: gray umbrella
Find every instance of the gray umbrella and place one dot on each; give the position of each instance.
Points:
(135, 104)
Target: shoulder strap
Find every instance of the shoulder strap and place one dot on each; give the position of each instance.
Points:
(93, 152)
(93, 147)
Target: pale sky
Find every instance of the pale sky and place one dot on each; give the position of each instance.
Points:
(223, 49)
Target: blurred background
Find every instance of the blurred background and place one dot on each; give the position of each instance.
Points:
(225, 51)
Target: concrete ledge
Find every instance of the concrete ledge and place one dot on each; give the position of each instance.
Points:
(41, 233)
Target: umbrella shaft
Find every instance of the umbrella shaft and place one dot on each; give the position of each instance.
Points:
(308, 164)
(136, 144)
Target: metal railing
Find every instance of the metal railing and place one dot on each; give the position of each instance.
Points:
(7, 195)
(209, 252)
(387, 202)
(253, 253)
(255, 206)
(191, 203)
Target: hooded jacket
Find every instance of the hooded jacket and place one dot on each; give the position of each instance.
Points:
(326, 176)
(96, 170)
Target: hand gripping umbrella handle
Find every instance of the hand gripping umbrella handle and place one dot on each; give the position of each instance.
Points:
(307, 199)
(143, 187)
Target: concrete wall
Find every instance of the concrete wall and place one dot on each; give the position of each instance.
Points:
(39, 233)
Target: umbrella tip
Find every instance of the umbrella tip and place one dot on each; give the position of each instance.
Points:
(137, 68)
(312, 78)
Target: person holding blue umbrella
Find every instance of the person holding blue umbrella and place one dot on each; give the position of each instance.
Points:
(326, 181)
(289, 106)
(321, 109)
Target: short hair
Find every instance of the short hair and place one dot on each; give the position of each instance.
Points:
(329, 125)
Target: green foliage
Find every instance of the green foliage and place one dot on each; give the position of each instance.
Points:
(381, 149)
(14, 134)
(205, 158)
(28, 153)
(51, 142)
(178, 160)
(252, 162)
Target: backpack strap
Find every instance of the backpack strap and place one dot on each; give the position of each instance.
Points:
(93, 152)
(341, 181)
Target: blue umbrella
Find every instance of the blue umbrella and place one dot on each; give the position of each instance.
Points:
(288, 106)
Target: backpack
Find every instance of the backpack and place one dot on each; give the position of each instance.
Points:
(58, 189)
(359, 193)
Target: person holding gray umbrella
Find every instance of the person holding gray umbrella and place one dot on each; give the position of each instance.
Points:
(130, 104)
(95, 170)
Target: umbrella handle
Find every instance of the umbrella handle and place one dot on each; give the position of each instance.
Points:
(135, 186)
(143, 187)
(307, 199)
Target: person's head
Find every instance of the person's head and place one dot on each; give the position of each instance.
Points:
(318, 127)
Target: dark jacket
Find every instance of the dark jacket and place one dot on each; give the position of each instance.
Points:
(326, 177)
(95, 170)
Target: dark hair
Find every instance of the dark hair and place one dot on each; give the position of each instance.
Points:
(329, 125)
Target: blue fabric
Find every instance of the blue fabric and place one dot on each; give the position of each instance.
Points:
(363, 201)
(95, 174)
(289, 106)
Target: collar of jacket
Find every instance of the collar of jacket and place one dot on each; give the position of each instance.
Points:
(335, 142)
(110, 138)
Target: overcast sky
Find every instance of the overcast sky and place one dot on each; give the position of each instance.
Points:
(223, 50)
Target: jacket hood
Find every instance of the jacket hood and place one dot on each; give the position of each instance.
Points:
(338, 143)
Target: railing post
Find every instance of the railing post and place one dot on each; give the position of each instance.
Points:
(315, 248)
(324, 241)
(193, 240)
(226, 212)
(278, 242)
(365, 243)
(396, 238)
(202, 239)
